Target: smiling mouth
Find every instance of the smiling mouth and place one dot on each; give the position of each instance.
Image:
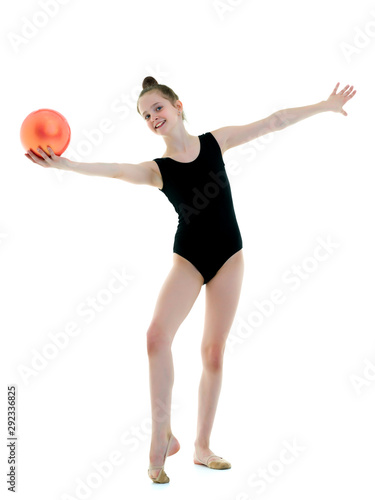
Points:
(162, 123)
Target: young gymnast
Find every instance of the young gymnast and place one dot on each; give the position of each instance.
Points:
(207, 249)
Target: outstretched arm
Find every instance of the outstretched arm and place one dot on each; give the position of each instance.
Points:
(56, 161)
(139, 173)
(335, 102)
(232, 136)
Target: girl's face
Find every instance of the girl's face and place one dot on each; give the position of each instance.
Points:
(156, 110)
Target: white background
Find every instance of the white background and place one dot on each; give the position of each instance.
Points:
(63, 235)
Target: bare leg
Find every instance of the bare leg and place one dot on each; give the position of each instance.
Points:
(222, 297)
(175, 300)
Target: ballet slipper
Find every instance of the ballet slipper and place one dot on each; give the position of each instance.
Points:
(217, 463)
(162, 476)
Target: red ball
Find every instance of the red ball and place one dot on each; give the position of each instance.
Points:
(45, 127)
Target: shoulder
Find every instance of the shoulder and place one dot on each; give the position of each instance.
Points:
(150, 164)
(220, 137)
(153, 167)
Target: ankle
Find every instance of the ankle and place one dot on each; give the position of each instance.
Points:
(160, 434)
(201, 444)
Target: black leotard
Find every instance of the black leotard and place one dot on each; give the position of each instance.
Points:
(207, 233)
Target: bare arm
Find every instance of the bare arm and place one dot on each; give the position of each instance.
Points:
(236, 135)
(141, 173)
(290, 116)
(101, 169)
(229, 137)
(335, 102)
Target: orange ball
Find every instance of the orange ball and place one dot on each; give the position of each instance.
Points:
(45, 127)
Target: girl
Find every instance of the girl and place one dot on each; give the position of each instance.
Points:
(207, 249)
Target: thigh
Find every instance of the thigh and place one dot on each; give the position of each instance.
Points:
(176, 298)
(222, 297)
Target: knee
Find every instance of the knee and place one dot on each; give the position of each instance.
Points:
(157, 338)
(212, 356)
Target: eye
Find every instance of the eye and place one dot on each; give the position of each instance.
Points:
(156, 108)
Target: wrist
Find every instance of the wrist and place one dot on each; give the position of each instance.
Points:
(65, 164)
(323, 106)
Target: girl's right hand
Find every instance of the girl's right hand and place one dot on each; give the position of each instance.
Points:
(47, 161)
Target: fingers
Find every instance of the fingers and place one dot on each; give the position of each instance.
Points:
(33, 156)
(46, 160)
(51, 152)
(36, 159)
(29, 157)
(41, 152)
(346, 90)
(350, 92)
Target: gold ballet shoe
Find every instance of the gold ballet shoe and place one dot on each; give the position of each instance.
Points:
(218, 463)
(162, 476)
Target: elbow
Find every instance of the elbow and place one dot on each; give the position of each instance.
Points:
(276, 122)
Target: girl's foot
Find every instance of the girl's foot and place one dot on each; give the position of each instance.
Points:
(202, 452)
(205, 456)
(158, 448)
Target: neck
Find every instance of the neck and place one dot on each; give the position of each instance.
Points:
(178, 142)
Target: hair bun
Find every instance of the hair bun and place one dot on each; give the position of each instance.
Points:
(149, 81)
